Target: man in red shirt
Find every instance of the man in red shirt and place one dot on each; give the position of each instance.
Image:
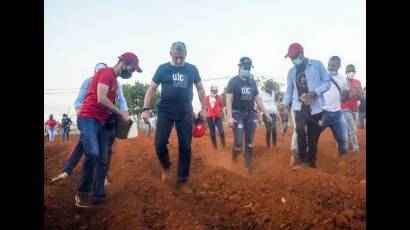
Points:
(215, 105)
(349, 106)
(97, 107)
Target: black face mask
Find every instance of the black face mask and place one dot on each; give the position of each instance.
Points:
(125, 74)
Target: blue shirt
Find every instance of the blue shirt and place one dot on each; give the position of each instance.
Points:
(122, 103)
(243, 92)
(317, 79)
(176, 89)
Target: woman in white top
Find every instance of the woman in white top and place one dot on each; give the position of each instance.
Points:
(268, 99)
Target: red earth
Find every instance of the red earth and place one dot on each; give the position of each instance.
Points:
(332, 196)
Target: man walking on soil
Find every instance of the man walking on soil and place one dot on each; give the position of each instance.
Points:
(177, 78)
(307, 81)
(98, 106)
(332, 113)
(77, 152)
(215, 105)
(350, 106)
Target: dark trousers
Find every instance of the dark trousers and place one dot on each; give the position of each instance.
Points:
(218, 123)
(270, 129)
(307, 125)
(183, 125)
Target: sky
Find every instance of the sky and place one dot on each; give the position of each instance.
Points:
(78, 34)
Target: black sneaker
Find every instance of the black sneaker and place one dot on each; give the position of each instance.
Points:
(82, 201)
(312, 164)
(97, 200)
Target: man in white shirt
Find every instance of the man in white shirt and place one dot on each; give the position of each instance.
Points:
(332, 113)
(267, 96)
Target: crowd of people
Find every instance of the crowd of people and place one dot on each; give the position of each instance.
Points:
(315, 98)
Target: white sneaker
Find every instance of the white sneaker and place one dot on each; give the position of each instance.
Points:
(106, 182)
(60, 177)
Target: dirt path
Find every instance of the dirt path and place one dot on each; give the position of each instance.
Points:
(223, 195)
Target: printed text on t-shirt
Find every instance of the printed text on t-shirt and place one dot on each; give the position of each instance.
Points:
(180, 80)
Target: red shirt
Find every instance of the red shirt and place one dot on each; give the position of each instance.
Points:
(217, 109)
(90, 107)
(355, 88)
(51, 124)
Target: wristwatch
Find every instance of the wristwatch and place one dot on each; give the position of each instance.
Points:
(145, 109)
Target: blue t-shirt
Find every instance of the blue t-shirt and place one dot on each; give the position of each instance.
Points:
(176, 92)
(244, 93)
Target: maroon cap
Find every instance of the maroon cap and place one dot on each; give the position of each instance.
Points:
(132, 60)
(294, 50)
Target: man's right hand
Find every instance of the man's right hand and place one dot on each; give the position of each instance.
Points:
(145, 115)
(124, 116)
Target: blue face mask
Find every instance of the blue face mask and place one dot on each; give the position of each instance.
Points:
(244, 73)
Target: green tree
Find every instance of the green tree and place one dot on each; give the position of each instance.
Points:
(135, 94)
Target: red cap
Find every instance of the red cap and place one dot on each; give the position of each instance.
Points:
(294, 50)
(132, 60)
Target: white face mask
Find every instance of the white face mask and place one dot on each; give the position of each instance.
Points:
(298, 60)
(351, 75)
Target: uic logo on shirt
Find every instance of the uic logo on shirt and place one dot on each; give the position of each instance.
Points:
(246, 90)
(177, 77)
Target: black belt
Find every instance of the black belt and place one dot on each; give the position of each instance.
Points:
(243, 111)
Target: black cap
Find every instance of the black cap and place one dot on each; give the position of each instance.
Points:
(245, 62)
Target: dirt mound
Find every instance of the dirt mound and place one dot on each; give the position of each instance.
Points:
(223, 195)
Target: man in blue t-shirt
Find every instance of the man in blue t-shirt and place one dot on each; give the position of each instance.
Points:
(177, 78)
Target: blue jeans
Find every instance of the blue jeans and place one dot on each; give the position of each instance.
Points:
(51, 134)
(337, 123)
(94, 137)
(183, 125)
(245, 123)
(65, 132)
(77, 152)
(362, 117)
(270, 127)
(218, 124)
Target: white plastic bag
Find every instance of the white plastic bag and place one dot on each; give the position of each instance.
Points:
(133, 131)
